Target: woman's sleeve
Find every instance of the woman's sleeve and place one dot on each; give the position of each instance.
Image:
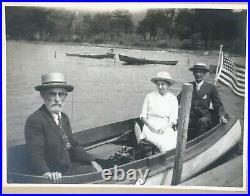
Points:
(174, 114)
(144, 112)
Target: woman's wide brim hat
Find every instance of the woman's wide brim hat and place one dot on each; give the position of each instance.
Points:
(201, 66)
(54, 80)
(163, 76)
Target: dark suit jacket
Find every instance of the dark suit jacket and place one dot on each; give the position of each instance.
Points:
(45, 145)
(201, 100)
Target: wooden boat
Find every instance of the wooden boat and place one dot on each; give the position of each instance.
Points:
(140, 61)
(93, 56)
(105, 142)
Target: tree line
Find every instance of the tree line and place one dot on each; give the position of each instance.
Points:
(175, 28)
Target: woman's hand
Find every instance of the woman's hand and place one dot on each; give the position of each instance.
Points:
(96, 166)
(159, 131)
(147, 123)
(55, 177)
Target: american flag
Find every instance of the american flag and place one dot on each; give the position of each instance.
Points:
(232, 75)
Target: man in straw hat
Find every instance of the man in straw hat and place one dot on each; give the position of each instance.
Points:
(159, 114)
(48, 134)
(204, 94)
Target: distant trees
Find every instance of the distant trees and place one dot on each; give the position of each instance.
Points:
(105, 25)
(101, 25)
(81, 26)
(212, 25)
(58, 25)
(24, 23)
(121, 23)
(193, 26)
(209, 25)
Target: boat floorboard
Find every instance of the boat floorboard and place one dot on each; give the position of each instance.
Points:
(229, 174)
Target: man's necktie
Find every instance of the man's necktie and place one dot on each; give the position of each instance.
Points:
(64, 135)
(197, 87)
(59, 121)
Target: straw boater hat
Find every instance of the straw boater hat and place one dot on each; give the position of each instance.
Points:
(164, 76)
(202, 66)
(54, 80)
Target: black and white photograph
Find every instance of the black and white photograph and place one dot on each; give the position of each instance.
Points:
(124, 97)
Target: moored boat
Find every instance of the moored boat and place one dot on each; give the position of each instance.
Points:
(108, 141)
(140, 61)
(94, 56)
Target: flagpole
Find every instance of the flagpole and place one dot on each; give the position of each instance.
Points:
(218, 65)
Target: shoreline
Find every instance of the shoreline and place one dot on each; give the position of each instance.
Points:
(123, 46)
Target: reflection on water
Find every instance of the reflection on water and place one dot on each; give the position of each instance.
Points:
(104, 92)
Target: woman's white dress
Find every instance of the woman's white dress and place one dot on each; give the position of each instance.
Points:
(161, 112)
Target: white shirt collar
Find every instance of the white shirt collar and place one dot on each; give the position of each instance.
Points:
(55, 116)
(199, 84)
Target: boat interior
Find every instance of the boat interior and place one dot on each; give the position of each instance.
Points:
(111, 145)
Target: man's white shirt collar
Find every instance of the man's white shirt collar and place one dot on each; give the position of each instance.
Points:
(55, 116)
(198, 85)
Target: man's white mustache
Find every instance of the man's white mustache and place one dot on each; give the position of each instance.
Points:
(57, 105)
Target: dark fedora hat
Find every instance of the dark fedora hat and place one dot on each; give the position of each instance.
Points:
(202, 66)
(53, 80)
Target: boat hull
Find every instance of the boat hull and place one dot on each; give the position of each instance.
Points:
(93, 56)
(196, 164)
(199, 154)
(139, 61)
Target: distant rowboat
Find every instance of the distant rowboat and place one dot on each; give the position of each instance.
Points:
(93, 56)
(140, 61)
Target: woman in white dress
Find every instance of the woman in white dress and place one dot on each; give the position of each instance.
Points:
(159, 114)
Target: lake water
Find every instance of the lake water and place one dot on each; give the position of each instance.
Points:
(104, 92)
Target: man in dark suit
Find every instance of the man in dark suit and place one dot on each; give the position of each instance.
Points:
(52, 150)
(204, 94)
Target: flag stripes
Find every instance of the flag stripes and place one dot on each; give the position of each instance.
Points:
(229, 84)
(232, 75)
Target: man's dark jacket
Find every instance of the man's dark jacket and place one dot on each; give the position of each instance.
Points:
(45, 145)
(201, 100)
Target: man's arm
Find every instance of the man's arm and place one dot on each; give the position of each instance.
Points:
(34, 137)
(218, 105)
(35, 142)
(78, 152)
(82, 156)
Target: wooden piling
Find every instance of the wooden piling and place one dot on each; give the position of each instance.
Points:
(182, 128)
